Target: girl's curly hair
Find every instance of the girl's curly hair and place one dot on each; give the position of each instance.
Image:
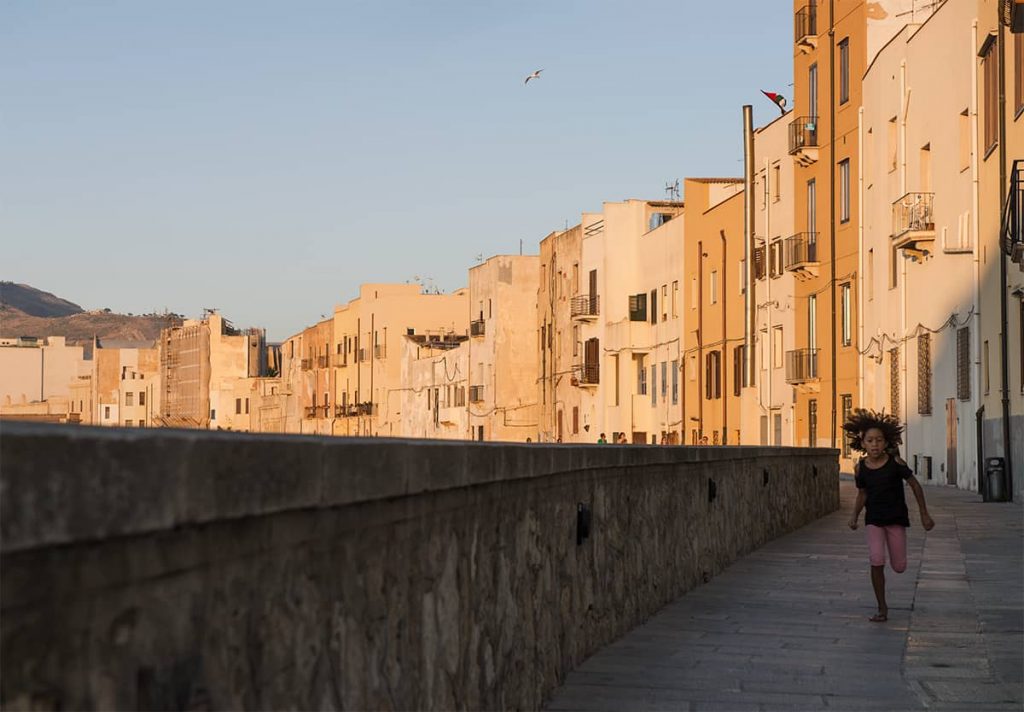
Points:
(861, 420)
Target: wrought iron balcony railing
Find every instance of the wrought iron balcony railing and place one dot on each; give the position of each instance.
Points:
(585, 306)
(805, 27)
(913, 213)
(1012, 232)
(801, 366)
(803, 133)
(800, 251)
(476, 327)
(588, 374)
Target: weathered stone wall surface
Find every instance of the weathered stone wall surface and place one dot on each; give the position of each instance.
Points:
(161, 569)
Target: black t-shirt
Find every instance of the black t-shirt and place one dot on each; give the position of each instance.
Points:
(885, 502)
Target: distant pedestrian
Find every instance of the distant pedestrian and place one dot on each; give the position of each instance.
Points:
(879, 477)
(622, 439)
(704, 440)
(601, 440)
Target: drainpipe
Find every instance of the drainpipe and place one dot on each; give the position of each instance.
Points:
(975, 227)
(860, 256)
(902, 345)
(1003, 314)
(700, 339)
(768, 302)
(750, 303)
(832, 202)
(721, 364)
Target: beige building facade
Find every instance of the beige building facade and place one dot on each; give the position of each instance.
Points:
(780, 260)
(503, 363)
(435, 386)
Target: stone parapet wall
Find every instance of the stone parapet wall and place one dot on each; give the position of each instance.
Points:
(148, 569)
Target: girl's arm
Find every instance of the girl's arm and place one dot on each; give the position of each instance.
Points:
(857, 506)
(926, 521)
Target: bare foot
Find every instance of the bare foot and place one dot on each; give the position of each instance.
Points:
(880, 617)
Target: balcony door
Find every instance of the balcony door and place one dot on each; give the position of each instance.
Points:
(812, 93)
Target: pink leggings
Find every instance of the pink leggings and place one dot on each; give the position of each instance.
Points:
(895, 537)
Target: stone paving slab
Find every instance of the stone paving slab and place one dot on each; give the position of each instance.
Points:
(786, 627)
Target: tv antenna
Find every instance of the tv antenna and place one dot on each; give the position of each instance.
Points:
(672, 189)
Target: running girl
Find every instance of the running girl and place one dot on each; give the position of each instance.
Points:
(879, 477)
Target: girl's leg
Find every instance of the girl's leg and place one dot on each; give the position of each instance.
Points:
(896, 540)
(876, 553)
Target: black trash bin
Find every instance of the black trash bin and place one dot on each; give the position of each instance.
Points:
(995, 479)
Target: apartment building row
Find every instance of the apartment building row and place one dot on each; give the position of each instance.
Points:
(870, 256)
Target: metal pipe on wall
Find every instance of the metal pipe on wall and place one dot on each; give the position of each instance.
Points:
(750, 303)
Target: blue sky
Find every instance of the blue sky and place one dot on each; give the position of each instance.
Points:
(265, 158)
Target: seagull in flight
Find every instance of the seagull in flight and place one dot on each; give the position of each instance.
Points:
(535, 75)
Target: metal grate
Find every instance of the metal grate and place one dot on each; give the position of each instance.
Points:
(963, 363)
(924, 374)
(894, 381)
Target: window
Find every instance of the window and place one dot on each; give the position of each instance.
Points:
(812, 206)
(664, 302)
(965, 141)
(713, 286)
(759, 263)
(870, 269)
(142, 398)
(675, 371)
(812, 422)
(924, 374)
(713, 375)
(847, 336)
(675, 299)
(812, 90)
(213, 413)
(990, 74)
(894, 381)
(129, 423)
(812, 321)
(615, 374)
(638, 307)
(654, 384)
(777, 182)
(142, 423)
(893, 144)
(737, 371)
(847, 401)
(777, 352)
(575, 420)
(894, 267)
(844, 190)
(641, 376)
(664, 381)
(775, 267)
(129, 398)
(575, 340)
(238, 406)
(1018, 71)
(575, 278)
(106, 412)
(984, 366)
(654, 306)
(844, 70)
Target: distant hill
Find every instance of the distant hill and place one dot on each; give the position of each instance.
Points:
(26, 311)
(35, 302)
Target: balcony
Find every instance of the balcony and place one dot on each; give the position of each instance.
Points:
(1011, 14)
(476, 394)
(321, 362)
(585, 307)
(801, 366)
(380, 351)
(311, 411)
(476, 327)
(800, 254)
(361, 355)
(586, 374)
(306, 364)
(803, 139)
(1011, 233)
(805, 28)
(913, 224)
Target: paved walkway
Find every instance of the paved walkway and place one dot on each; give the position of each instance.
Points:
(786, 628)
